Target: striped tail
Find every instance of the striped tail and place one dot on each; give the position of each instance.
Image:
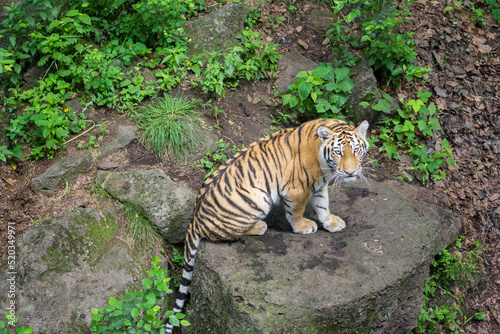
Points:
(190, 250)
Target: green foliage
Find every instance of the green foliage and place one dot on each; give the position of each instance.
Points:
(168, 126)
(389, 52)
(7, 154)
(319, 93)
(218, 156)
(138, 312)
(450, 270)
(19, 330)
(46, 121)
(494, 8)
(178, 261)
(148, 21)
(251, 59)
(405, 130)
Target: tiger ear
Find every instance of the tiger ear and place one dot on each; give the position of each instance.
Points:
(362, 128)
(324, 133)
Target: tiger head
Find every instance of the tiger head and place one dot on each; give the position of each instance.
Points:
(343, 150)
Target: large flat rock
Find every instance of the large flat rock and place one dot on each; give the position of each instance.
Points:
(368, 278)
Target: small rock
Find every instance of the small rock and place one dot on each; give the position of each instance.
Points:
(107, 165)
(65, 169)
(125, 135)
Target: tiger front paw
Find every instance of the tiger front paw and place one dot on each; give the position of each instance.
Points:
(305, 226)
(334, 224)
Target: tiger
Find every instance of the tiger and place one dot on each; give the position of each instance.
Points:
(292, 166)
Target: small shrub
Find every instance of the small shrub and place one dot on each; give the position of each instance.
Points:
(390, 53)
(251, 59)
(321, 92)
(407, 129)
(449, 270)
(141, 311)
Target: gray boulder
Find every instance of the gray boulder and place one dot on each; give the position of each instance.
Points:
(217, 30)
(64, 170)
(125, 135)
(319, 17)
(365, 89)
(166, 204)
(367, 278)
(289, 66)
(66, 266)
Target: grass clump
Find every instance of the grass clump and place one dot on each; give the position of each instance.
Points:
(144, 233)
(168, 127)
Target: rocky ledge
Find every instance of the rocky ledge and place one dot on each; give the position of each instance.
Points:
(368, 278)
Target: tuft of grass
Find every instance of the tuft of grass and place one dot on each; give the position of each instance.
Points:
(168, 127)
(144, 233)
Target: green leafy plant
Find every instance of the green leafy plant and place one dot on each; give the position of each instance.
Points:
(494, 8)
(448, 270)
(141, 311)
(15, 152)
(167, 127)
(321, 92)
(216, 157)
(46, 121)
(405, 131)
(251, 59)
(390, 53)
(19, 330)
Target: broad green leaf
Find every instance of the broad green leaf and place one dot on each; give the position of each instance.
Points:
(321, 71)
(53, 24)
(72, 13)
(345, 85)
(174, 321)
(314, 96)
(135, 312)
(147, 283)
(384, 105)
(304, 90)
(341, 73)
(85, 19)
(445, 143)
(112, 300)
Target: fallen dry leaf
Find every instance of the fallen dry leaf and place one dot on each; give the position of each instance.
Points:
(10, 181)
(303, 44)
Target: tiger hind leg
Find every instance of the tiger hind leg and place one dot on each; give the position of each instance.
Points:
(258, 229)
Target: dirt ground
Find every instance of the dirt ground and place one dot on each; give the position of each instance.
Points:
(465, 83)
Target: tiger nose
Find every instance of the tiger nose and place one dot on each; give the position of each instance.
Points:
(350, 172)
